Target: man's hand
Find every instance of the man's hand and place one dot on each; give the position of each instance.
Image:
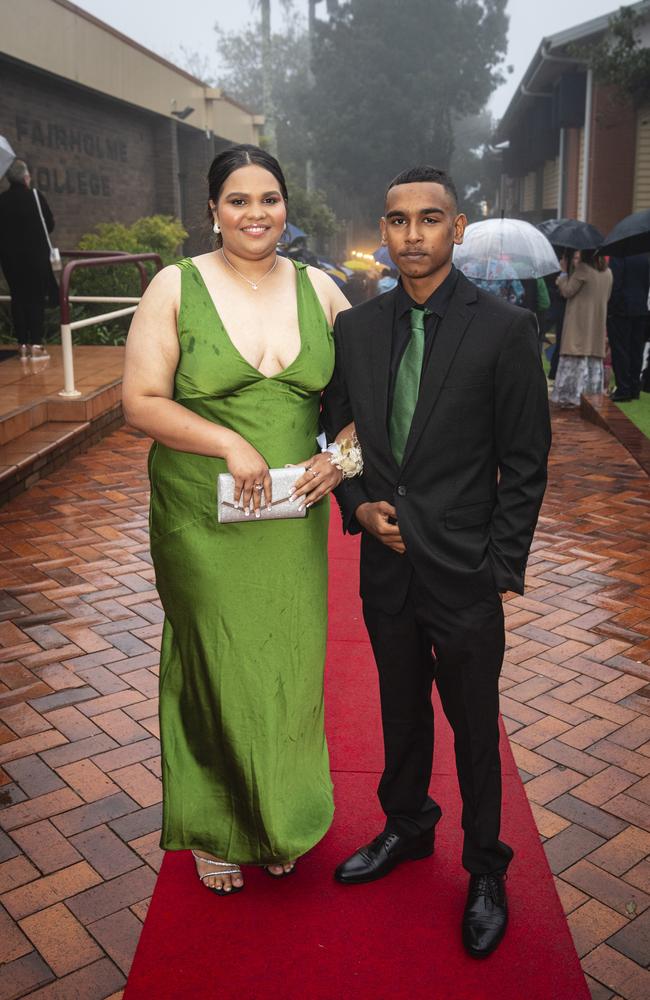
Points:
(376, 518)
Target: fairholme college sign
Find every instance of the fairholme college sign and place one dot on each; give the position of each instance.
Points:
(68, 175)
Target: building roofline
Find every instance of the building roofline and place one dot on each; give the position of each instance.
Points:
(87, 16)
(579, 32)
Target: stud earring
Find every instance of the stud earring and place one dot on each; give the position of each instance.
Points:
(216, 229)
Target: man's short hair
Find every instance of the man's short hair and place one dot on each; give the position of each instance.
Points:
(426, 174)
(17, 172)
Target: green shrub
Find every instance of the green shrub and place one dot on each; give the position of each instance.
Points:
(161, 234)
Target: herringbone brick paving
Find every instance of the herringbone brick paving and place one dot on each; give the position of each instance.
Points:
(79, 756)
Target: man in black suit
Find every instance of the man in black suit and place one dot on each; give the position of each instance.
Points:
(445, 386)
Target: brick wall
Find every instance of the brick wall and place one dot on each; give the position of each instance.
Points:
(97, 159)
(91, 156)
(572, 170)
(165, 167)
(195, 154)
(612, 159)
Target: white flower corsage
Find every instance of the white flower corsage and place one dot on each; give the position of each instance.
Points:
(347, 456)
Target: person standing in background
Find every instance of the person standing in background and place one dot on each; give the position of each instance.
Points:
(555, 319)
(627, 318)
(387, 282)
(25, 258)
(584, 334)
(537, 300)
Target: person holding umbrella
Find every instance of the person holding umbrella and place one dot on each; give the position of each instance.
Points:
(627, 323)
(25, 257)
(628, 245)
(587, 288)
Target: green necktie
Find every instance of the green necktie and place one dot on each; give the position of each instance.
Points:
(407, 385)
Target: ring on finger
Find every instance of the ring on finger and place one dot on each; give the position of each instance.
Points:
(314, 474)
(258, 486)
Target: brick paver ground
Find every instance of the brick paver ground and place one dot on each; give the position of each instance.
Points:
(79, 756)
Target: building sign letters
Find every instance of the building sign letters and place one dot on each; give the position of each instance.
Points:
(70, 179)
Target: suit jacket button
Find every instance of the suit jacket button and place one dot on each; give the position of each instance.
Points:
(401, 491)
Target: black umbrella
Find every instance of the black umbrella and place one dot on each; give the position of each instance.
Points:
(548, 226)
(629, 236)
(576, 235)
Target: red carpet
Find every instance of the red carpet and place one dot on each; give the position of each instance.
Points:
(308, 938)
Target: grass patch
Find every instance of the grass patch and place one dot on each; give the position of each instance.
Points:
(638, 411)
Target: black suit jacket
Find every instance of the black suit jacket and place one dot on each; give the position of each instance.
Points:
(471, 484)
(630, 286)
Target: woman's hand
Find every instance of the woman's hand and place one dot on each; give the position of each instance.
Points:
(320, 478)
(251, 475)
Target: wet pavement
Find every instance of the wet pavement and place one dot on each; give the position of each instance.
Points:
(79, 756)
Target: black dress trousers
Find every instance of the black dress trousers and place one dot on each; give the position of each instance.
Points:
(468, 647)
(28, 285)
(627, 335)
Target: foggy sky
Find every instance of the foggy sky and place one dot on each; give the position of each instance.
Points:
(165, 26)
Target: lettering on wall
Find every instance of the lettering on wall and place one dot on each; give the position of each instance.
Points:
(59, 180)
(67, 177)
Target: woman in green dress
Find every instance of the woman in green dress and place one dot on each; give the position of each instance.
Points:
(226, 358)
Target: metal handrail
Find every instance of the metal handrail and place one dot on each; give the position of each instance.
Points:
(92, 259)
(89, 254)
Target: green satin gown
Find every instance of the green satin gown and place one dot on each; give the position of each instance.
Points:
(244, 760)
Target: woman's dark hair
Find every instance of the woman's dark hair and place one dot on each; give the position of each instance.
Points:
(593, 259)
(243, 155)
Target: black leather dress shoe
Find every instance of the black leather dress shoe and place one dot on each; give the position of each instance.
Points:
(620, 397)
(486, 914)
(382, 854)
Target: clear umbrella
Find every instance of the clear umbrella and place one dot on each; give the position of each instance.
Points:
(7, 156)
(496, 246)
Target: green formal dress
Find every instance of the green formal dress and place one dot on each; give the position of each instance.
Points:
(244, 759)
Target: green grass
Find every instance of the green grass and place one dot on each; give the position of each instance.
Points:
(638, 411)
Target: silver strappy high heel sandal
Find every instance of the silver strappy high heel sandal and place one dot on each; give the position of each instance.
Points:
(225, 868)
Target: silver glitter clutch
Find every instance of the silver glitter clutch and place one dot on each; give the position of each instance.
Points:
(281, 479)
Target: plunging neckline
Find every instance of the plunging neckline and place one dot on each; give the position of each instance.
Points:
(234, 347)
